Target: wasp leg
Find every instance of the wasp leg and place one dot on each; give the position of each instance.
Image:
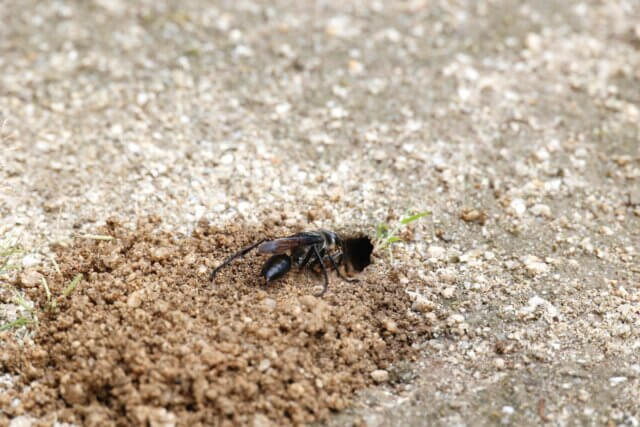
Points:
(240, 253)
(324, 271)
(306, 258)
(340, 275)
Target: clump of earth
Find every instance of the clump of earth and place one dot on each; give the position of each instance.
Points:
(146, 337)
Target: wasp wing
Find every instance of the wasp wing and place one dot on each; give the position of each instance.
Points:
(279, 246)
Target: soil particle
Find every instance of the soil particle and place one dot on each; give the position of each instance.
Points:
(473, 215)
(30, 279)
(147, 339)
(380, 375)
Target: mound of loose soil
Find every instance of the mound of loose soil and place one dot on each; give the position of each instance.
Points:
(147, 338)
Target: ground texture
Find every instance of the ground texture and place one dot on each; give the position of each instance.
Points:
(515, 122)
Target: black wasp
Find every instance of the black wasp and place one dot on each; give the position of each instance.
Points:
(311, 249)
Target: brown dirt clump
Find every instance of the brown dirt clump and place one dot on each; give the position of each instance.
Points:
(147, 339)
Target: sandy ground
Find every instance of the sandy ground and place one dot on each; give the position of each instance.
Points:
(515, 123)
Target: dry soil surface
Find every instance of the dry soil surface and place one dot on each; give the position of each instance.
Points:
(516, 123)
(148, 338)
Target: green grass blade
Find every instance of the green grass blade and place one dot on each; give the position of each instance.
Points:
(381, 231)
(10, 251)
(7, 254)
(72, 286)
(19, 299)
(55, 264)
(18, 323)
(46, 288)
(415, 217)
(6, 267)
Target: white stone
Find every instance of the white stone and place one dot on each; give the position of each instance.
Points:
(380, 375)
(541, 210)
(606, 230)
(533, 42)
(269, 303)
(517, 207)
(226, 159)
(508, 410)
(30, 260)
(534, 265)
(542, 155)
(534, 302)
(448, 292)
(264, 365)
(21, 421)
(455, 319)
(614, 381)
(283, 109)
(422, 304)
(436, 252)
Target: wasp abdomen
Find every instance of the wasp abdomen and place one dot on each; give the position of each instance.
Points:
(276, 267)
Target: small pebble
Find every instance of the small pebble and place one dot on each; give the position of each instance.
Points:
(542, 155)
(30, 278)
(264, 365)
(436, 252)
(541, 210)
(390, 325)
(517, 207)
(31, 260)
(474, 215)
(455, 319)
(583, 395)
(508, 410)
(533, 42)
(534, 265)
(135, 299)
(380, 375)
(21, 421)
(607, 231)
(261, 420)
(614, 381)
(269, 303)
(448, 292)
(422, 304)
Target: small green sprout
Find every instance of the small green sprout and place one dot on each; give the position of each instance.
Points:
(6, 255)
(30, 317)
(19, 299)
(52, 303)
(18, 323)
(9, 251)
(72, 285)
(387, 236)
(55, 264)
(46, 289)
